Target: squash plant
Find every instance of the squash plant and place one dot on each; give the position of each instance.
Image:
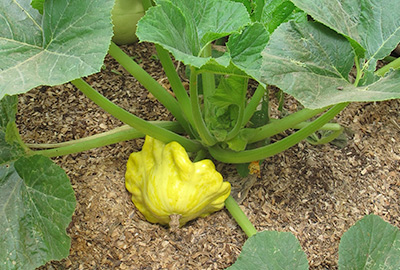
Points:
(269, 42)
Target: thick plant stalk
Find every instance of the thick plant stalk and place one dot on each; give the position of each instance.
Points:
(134, 121)
(119, 134)
(176, 83)
(205, 135)
(162, 95)
(229, 156)
(253, 103)
(277, 126)
(240, 217)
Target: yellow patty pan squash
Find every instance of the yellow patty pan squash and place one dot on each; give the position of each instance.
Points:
(164, 182)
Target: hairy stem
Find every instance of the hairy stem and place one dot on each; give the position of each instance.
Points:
(395, 64)
(253, 103)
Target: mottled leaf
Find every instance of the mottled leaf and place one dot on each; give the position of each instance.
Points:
(370, 244)
(36, 207)
(184, 28)
(69, 41)
(271, 250)
(372, 26)
(272, 13)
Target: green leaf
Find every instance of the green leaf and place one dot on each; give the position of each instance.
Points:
(10, 146)
(37, 200)
(69, 41)
(38, 4)
(308, 61)
(8, 110)
(271, 250)
(185, 27)
(272, 13)
(312, 63)
(245, 48)
(247, 3)
(372, 26)
(36, 207)
(225, 105)
(370, 244)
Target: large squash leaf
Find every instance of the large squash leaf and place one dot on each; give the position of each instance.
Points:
(37, 201)
(271, 250)
(184, 28)
(312, 63)
(70, 40)
(372, 26)
(370, 244)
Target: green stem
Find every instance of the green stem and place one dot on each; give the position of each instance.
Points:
(359, 71)
(208, 80)
(238, 126)
(132, 120)
(278, 126)
(239, 216)
(253, 103)
(200, 155)
(229, 156)
(208, 83)
(150, 84)
(119, 134)
(198, 120)
(147, 4)
(175, 81)
(395, 64)
(328, 126)
(325, 139)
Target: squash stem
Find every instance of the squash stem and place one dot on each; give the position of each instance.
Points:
(239, 216)
(395, 64)
(119, 134)
(176, 83)
(132, 120)
(205, 135)
(277, 126)
(162, 95)
(253, 103)
(229, 156)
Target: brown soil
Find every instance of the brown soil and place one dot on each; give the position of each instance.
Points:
(315, 192)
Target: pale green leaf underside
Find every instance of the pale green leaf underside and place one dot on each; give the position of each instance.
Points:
(271, 250)
(312, 63)
(370, 244)
(184, 28)
(372, 24)
(69, 41)
(36, 207)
